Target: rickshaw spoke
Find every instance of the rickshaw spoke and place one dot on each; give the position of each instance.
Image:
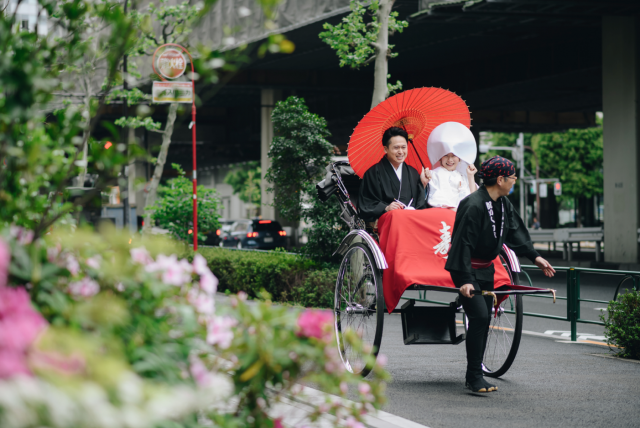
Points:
(355, 305)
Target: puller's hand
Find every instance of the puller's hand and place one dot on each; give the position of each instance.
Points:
(545, 266)
(466, 290)
(425, 176)
(394, 206)
(471, 170)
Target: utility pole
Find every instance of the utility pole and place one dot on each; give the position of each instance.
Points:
(520, 144)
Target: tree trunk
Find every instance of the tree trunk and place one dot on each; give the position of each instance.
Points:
(85, 136)
(380, 90)
(157, 172)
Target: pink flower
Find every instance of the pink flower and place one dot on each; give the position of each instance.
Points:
(5, 259)
(315, 323)
(20, 325)
(353, 423)
(22, 235)
(14, 301)
(208, 282)
(162, 263)
(364, 388)
(86, 287)
(94, 262)
(344, 388)
(219, 331)
(72, 264)
(174, 275)
(278, 423)
(199, 372)
(382, 360)
(200, 265)
(53, 252)
(203, 303)
(64, 364)
(141, 256)
(19, 330)
(12, 363)
(186, 266)
(174, 272)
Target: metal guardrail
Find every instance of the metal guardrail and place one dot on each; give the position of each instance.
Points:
(573, 294)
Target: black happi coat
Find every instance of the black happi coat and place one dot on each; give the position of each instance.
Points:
(473, 234)
(380, 186)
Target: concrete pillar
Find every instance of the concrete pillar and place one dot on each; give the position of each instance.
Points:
(268, 99)
(620, 72)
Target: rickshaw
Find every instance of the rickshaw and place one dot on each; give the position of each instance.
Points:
(359, 302)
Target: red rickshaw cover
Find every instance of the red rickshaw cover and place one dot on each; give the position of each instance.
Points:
(416, 244)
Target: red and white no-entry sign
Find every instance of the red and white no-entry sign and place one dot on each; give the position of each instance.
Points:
(171, 63)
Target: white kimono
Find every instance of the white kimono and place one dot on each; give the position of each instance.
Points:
(447, 188)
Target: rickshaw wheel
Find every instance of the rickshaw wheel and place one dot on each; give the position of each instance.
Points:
(359, 305)
(505, 331)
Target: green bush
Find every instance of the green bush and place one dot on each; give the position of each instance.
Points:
(287, 277)
(317, 290)
(174, 208)
(622, 327)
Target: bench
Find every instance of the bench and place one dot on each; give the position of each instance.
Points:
(568, 236)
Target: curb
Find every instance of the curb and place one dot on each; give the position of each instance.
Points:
(294, 411)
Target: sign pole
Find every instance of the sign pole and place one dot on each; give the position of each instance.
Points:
(195, 176)
(173, 70)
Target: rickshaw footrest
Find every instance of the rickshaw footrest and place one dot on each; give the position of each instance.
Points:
(415, 339)
(429, 325)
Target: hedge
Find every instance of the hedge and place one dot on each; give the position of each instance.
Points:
(287, 277)
(622, 325)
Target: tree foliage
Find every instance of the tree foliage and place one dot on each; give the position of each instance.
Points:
(40, 153)
(245, 182)
(575, 157)
(174, 208)
(327, 228)
(355, 39)
(299, 154)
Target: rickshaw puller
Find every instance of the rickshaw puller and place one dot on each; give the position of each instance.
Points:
(486, 220)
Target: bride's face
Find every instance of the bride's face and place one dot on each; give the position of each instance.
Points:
(450, 161)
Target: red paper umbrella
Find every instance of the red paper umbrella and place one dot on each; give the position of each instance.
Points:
(418, 111)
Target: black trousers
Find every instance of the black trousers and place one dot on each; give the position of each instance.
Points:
(478, 312)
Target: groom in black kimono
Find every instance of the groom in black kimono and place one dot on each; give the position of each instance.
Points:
(390, 184)
(484, 221)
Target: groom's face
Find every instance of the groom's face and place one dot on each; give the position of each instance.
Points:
(396, 150)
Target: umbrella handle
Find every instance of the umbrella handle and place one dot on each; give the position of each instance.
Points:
(416, 150)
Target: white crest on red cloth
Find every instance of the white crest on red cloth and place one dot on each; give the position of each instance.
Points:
(442, 248)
